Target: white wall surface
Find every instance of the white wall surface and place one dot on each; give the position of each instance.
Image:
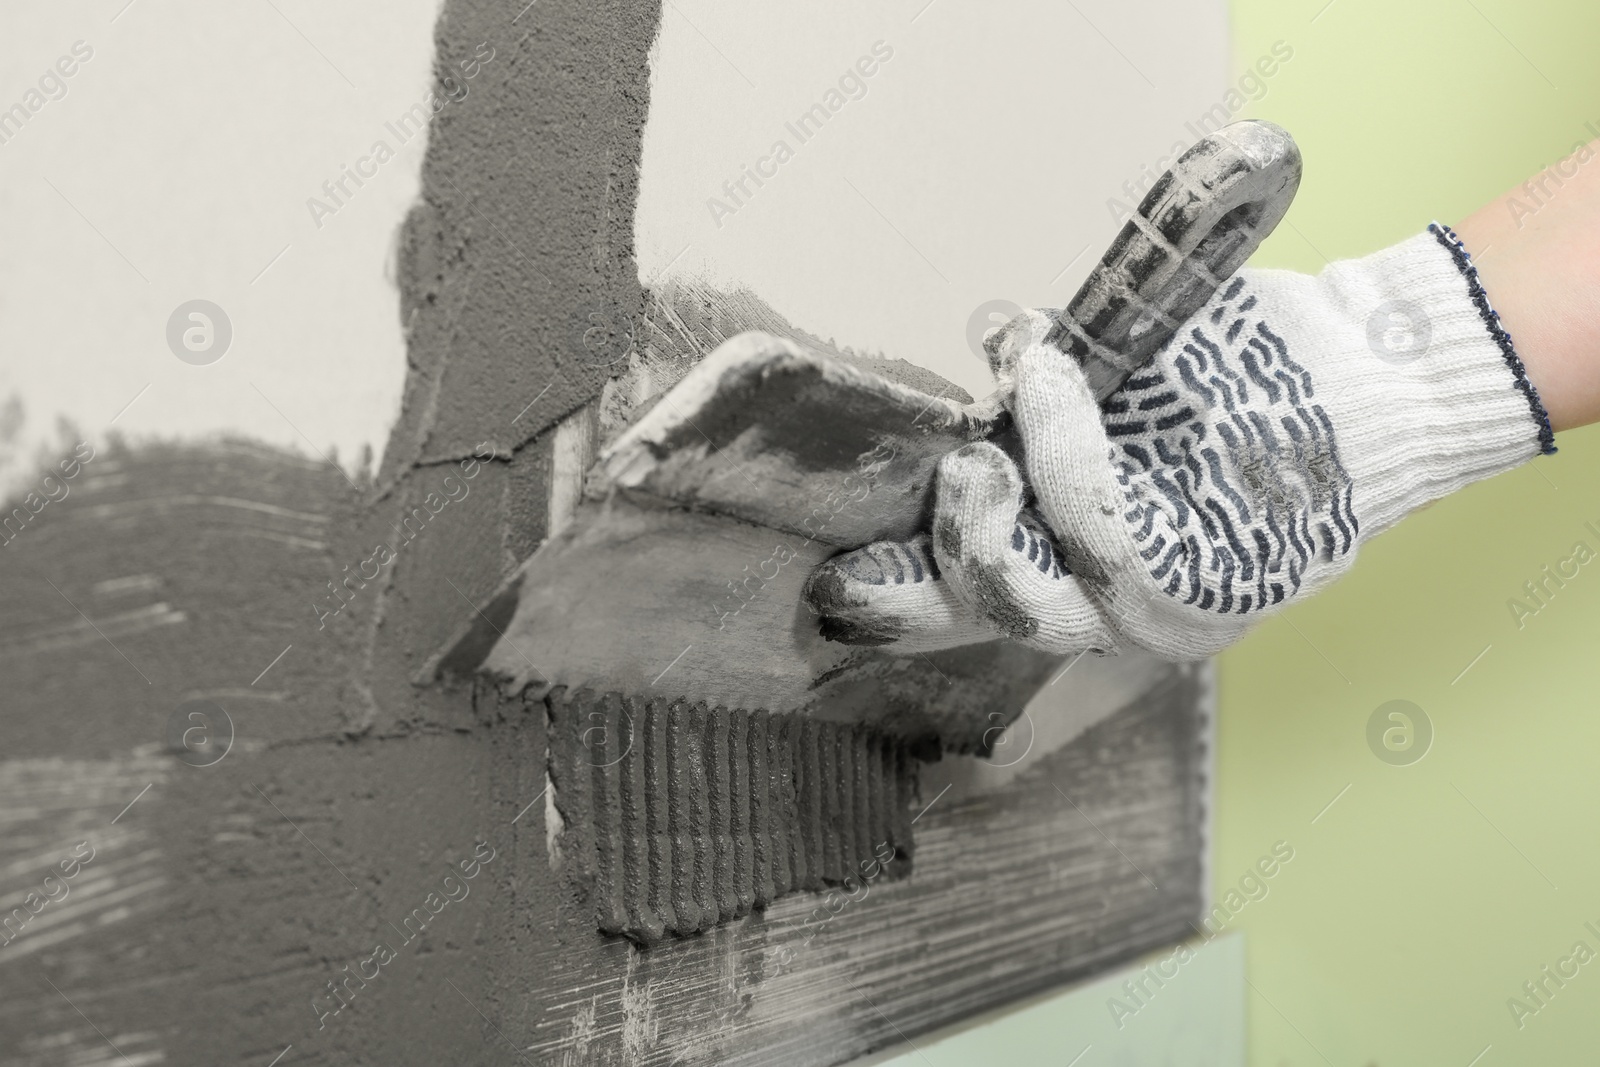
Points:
(976, 163)
(177, 166)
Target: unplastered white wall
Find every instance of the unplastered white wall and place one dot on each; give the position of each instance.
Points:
(974, 163)
(177, 166)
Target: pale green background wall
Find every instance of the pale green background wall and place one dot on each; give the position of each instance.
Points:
(1424, 898)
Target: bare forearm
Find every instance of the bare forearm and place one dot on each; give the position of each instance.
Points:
(1537, 249)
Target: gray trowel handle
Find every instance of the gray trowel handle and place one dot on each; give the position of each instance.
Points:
(1198, 224)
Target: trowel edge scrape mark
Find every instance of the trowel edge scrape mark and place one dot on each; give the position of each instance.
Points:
(844, 788)
(574, 788)
(642, 914)
(686, 907)
(658, 821)
(700, 830)
(808, 804)
(761, 814)
(609, 873)
(780, 798)
(719, 795)
(877, 814)
(866, 757)
(740, 807)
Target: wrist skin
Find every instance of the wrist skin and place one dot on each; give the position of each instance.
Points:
(1537, 251)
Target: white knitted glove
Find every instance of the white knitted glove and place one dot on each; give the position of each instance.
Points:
(1288, 421)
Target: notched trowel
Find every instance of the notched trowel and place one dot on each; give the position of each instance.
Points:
(681, 573)
(708, 750)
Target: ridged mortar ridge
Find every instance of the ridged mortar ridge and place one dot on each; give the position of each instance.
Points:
(678, 816)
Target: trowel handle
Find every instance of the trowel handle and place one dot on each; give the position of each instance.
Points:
(1197, 225)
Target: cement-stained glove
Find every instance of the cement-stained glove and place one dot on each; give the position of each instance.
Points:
(1288, 421)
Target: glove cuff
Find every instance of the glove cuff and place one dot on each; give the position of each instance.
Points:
(1452, 243)
(1452, 403)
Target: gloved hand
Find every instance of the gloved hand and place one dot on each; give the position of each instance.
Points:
(1287, 422)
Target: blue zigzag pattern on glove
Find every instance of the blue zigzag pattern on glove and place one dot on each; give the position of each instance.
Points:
(1229, 467)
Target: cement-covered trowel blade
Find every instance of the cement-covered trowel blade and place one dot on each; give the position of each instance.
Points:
(680, 576)
(768, 432)
(674, 604)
